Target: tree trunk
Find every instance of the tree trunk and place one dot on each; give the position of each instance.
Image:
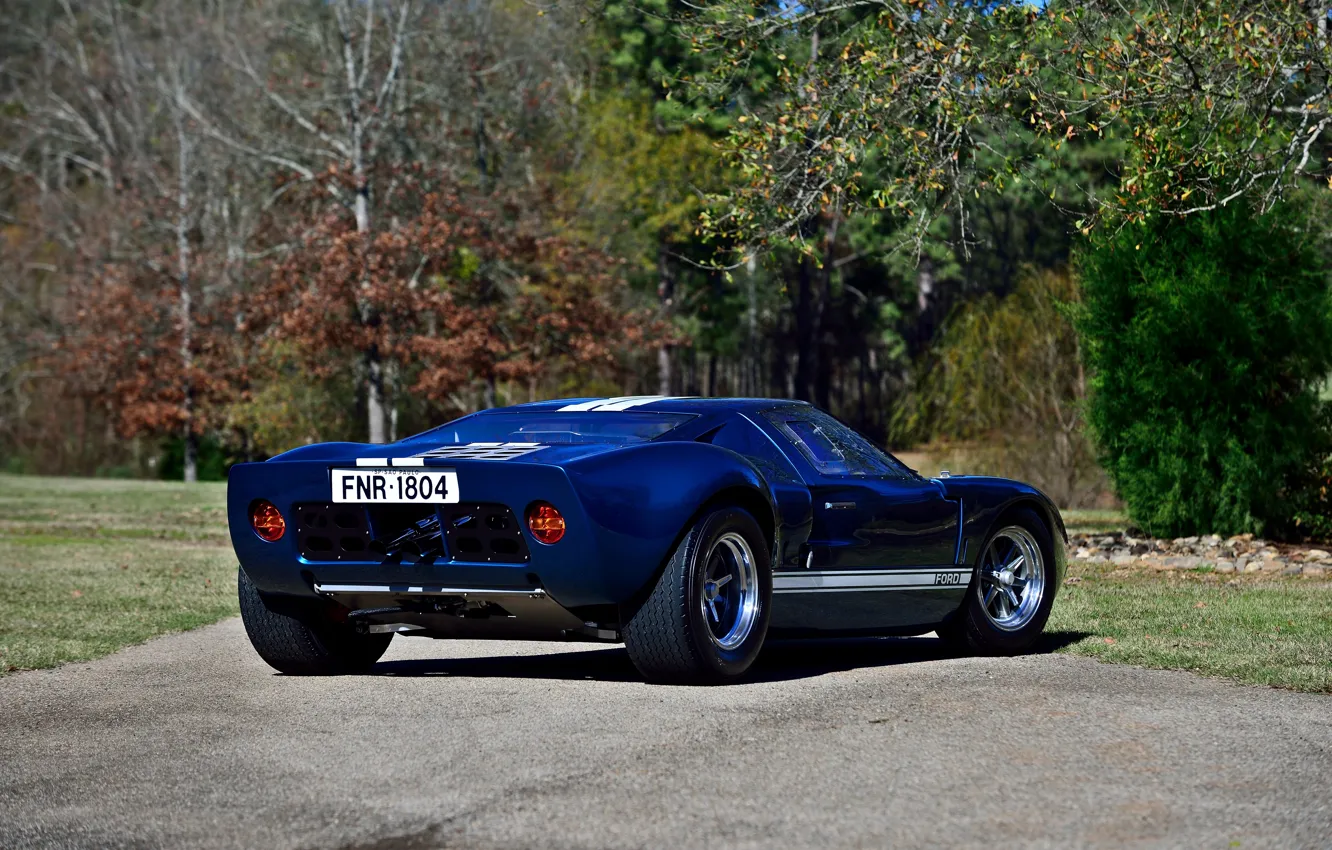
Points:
(750, 368)
(185, 297)
(664, 369)
(806, 334)
(665, 295)
(375, 408)
(374, 399)
(823, 354)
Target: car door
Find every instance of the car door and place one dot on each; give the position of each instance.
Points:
(879, 531)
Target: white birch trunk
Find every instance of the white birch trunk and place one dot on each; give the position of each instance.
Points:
(185, 297)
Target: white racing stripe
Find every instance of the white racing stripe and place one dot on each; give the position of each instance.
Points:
(596, 403)
(620, 403)
(480, 451)
(452, 451)
(850, 581)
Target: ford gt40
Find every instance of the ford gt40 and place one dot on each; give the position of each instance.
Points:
(689, 529)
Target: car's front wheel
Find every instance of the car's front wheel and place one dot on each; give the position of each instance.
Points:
(1011, 592)
(705, 619)
(305, 646)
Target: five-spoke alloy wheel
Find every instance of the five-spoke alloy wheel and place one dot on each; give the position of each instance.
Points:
(1011, 590)
(730, 594)
(1012, 578)
(705, 618)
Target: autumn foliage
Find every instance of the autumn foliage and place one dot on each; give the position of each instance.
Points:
(459, 287)
(125, 346)
(458, 290)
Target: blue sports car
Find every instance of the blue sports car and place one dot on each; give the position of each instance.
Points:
(691, 529)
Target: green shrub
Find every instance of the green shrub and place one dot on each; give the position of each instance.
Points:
(1311, 495)
(1206, 338)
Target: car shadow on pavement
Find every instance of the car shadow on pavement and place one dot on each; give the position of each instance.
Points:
(799, 659)
(782, 660)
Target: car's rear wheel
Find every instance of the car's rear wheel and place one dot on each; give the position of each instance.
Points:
(307, 645)
(705, 619)
(1011, 591)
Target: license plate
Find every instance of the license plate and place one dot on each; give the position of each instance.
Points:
(395, 486)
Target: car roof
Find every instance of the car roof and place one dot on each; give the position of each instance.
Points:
(652, 404)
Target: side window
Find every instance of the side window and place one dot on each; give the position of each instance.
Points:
(833, 448)
(818, 447)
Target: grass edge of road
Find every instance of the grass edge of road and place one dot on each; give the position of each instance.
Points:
(1256, 630)
(90, 566)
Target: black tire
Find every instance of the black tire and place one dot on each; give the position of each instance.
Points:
(971, 630)
(668, 635)
(305, 646)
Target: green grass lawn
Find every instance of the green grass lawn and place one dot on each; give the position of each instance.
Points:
(1263, 631)
(88, 566)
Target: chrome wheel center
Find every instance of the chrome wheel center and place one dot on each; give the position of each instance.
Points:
(730, 592)
(1012, 579)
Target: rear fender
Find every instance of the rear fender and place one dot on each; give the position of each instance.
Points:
(642, 499)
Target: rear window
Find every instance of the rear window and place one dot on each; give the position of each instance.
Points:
(560, 427)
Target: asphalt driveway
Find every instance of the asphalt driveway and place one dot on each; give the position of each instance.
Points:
(191, 741)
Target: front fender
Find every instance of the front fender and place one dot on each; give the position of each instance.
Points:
(985, 501)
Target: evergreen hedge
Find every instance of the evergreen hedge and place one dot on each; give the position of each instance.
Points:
(1206, 338)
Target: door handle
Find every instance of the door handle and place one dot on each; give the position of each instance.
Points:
(838, 506)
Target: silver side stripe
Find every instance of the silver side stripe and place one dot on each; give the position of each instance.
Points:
(621, 402)
(863, 581)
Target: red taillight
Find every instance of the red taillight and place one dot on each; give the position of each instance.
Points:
(545, 523)
(267, 521)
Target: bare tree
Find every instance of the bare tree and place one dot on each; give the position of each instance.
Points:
(341, 106)
(106, 137)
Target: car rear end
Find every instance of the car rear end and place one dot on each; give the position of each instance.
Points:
(480, 544)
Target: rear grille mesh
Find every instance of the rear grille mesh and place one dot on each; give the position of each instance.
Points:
(484, 532)
(332, 532)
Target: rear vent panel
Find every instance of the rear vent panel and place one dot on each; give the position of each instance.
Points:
(484, 531)
(332, 532)
(480, 532)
